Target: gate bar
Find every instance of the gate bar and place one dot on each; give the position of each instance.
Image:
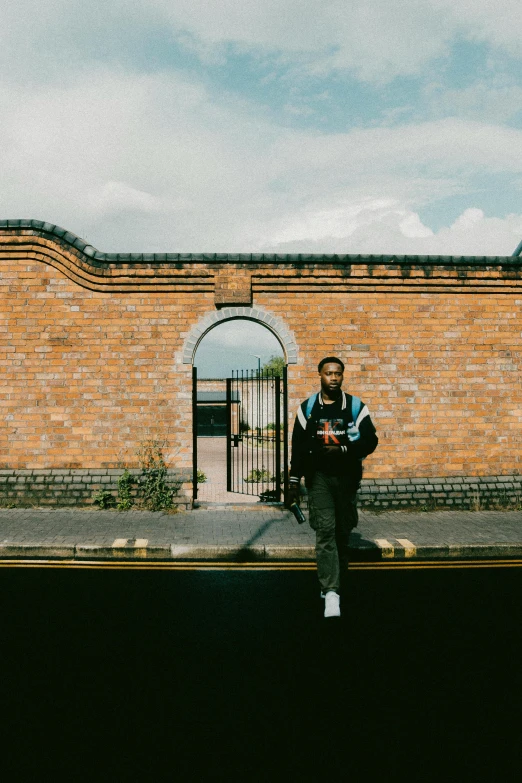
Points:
(194, 434)
(229, 435)
(285, 431)
(278, 437)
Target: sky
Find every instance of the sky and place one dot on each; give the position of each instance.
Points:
(318, 126)
(227, 349)
(299, 126)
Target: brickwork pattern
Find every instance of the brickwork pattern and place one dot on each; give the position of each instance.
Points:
(87, 376)
(74, 487)
(443, 492)
(78, 487)
(233, 288)
(94, 351)
(440, 374)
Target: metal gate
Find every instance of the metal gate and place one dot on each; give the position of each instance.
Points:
(256, 434)
(257, 428)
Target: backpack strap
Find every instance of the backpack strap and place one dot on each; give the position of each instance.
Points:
(309, 405)
(356, 408)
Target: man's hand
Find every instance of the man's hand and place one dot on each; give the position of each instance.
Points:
(293, 494)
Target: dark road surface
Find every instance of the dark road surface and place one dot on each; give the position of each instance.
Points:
(118, 675)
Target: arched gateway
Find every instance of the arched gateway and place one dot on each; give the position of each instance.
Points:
(211, 320)
(98, 350)
(252, 413)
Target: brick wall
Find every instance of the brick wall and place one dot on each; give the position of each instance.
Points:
(92, 354)
(73, 486)
(440, 373)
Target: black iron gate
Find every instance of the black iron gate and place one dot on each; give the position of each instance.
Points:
(256, 434)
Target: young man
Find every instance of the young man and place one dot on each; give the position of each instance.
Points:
(332, 434)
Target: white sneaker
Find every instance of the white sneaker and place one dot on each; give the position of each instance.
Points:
(331, 605)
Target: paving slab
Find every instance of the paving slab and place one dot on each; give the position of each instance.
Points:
(250, 533)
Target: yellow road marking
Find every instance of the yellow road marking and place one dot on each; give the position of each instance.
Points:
(386, 548)
(410, 550)
(275, 566)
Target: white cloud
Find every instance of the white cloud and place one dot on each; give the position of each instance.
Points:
(496, 23)
(396, 230)
(118, 197)
(146, 160)
(412, 227)
(340, 222)
(447, 146)
(375, 39)
(497, 100)
(251, 336)
(157, 163)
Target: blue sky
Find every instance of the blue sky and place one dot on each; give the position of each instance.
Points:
(227, 349)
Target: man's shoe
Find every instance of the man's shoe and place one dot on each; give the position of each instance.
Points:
(331, 605)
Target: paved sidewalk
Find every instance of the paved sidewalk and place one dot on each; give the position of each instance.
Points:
(251, 534)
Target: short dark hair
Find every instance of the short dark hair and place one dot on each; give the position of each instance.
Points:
(329, 360)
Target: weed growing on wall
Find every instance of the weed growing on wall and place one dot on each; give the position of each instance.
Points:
(149, 490)
(104, 499)
(125, 485)
(154, 492)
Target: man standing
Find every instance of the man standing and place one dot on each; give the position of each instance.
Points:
(333, 432)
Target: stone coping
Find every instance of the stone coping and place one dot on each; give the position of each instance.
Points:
(40, 227)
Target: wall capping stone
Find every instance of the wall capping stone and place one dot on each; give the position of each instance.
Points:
(30, 227)
(238, 278)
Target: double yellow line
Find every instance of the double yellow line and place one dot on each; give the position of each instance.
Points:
(163, 565)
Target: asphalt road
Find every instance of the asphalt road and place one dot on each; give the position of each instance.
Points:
(218, 674)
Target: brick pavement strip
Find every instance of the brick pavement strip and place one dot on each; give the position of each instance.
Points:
(235, 534)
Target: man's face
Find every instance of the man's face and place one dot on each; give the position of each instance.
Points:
(331, 377)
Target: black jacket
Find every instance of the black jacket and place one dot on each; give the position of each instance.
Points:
(358, 444)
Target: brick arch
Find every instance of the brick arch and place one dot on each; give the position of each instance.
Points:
(210, 321)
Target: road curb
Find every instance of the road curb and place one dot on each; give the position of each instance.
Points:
(129, 551)
(220, 552)
(36, 551)
(390, 549)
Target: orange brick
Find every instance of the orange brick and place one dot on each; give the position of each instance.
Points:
(431, 359)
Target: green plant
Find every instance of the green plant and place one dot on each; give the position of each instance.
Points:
(256, 475)
(155, 494)
(274, 366)
(104, 499)
(201, 477)
(125, 484)
(475, 503)
(505, 501)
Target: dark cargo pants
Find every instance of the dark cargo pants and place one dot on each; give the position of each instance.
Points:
(333, 514)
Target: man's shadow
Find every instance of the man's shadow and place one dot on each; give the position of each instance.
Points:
(362, 550)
